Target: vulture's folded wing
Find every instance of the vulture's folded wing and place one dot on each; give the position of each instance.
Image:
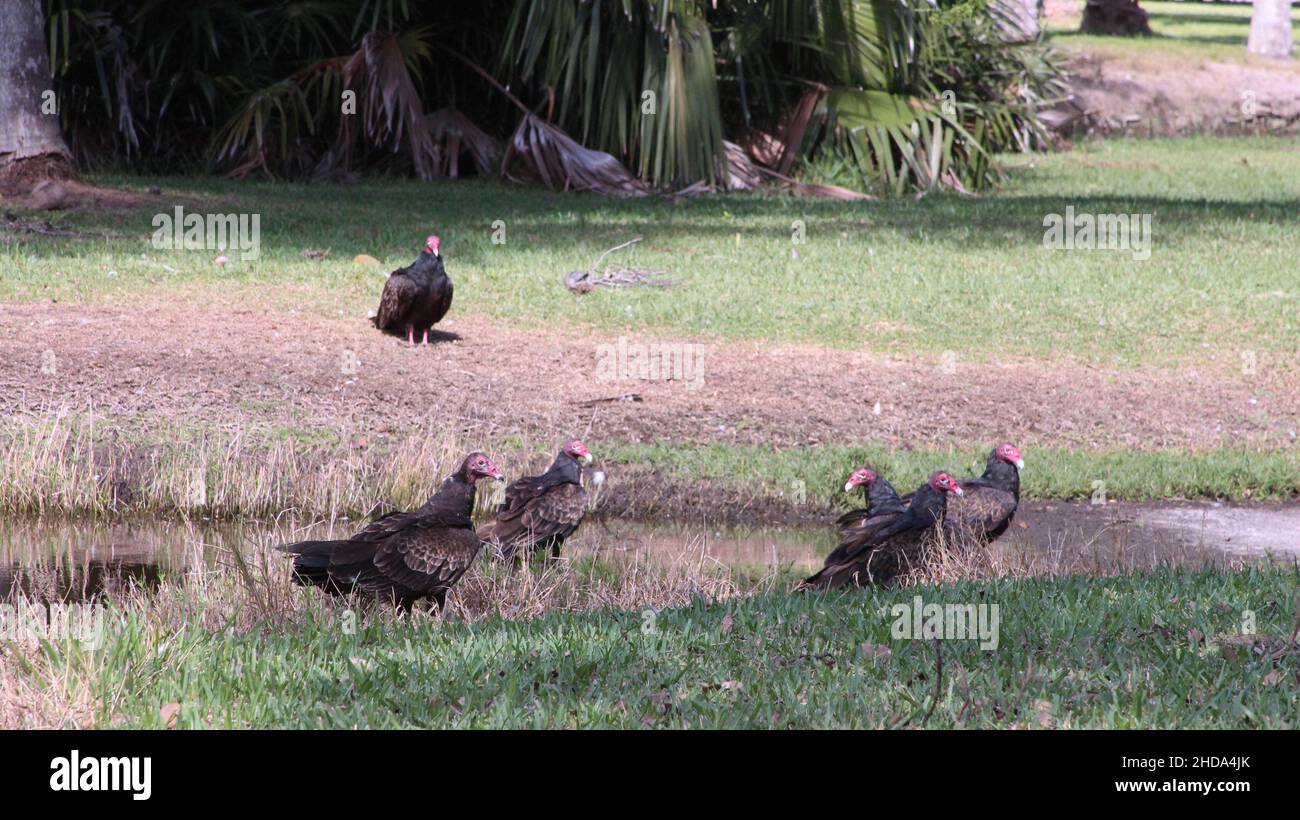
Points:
(983, 512)
(399, 296)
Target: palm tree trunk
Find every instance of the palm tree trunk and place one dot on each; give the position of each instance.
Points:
(29, 121)
(1270, 29)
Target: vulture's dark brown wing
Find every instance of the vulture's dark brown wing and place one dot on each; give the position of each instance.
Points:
(395, 303)
(853, 561)
(413, 562)
(386, 525)
(981, 514)
(857, 532)
(874, 563)
(877, 549)
(440, 299)
(533, 516)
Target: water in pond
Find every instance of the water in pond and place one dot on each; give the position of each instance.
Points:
(70, 559)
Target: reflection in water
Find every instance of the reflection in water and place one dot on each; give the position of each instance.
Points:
(66, 560)
(77, 559)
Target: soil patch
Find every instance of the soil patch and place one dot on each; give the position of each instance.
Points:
(231, 365)
(1153, 93)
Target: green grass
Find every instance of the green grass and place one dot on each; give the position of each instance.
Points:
(1186, 30)
(891, 277)
(818, 473)
(1128, 652)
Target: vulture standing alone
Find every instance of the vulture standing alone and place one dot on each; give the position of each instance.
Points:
(539, 512)
(417, 296)
(885, 541)
(403, 556)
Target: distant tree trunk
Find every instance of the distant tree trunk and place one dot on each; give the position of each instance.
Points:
(1114, 17)
(29, 121)
(1270, 29)
(1018, 19)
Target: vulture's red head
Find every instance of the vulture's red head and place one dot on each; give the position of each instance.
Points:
(1008, 453)
(864, 476)
(578, 450)
(477, 465)
(431, 245)
(945, 483)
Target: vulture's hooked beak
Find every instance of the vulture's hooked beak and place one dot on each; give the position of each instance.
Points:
(1020, 464)
(848, 486)
(958, 491)
(586, 458)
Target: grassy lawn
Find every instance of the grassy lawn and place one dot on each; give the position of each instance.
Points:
(896, 277)
(1152, 650)
(908, 278)
(1183, 30)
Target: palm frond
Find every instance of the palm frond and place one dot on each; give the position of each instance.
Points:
(540, 153)
(391, 111)
(452, 134)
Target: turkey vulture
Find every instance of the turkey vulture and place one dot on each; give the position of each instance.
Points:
(403, 556)
(878, 548)
(417, 296)
(990, 501)
(882, 504)
(541, 511)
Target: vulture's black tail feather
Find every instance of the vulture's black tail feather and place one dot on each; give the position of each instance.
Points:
(311, 561)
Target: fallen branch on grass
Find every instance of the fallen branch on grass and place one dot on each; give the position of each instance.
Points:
(584, 281)
(12, 222)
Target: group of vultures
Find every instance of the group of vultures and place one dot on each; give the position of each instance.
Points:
(404, 557)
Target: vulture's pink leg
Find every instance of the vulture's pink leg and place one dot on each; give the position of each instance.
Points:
(426, 337)
(410, 336)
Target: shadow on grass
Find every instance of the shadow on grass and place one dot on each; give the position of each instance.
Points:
(386, 218)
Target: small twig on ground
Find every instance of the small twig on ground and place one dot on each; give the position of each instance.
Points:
(624, 397)
(628, 243)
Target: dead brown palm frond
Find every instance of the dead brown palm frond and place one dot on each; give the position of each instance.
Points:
(814, 191)
(741, 173)
(452, 133)
(541, 153)
(390, 108)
